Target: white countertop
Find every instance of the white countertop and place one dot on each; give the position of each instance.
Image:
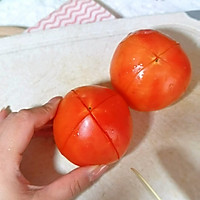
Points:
(165, 144)
(35, 67)
(28, 13)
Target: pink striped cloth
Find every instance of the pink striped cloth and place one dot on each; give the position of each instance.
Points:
(73, 12)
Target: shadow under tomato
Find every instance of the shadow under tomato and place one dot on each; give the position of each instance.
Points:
(37, 164)
(107, 84)
(181, 169)
(192, 50)
(141, 124)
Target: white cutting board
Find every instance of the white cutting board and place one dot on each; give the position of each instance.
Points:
(166, 144)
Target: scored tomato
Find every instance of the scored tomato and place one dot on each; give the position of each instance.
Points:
(150, 70)
(92, 126)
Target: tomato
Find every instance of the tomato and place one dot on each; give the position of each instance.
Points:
(92, 126)
(150, 70)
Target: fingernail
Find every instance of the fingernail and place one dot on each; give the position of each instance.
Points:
(7, 110)
(95, 172)
(55, 100)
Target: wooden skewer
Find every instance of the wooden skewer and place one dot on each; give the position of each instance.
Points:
(146, 184)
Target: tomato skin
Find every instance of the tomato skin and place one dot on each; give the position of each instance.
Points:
(92, 126)
(149, 70)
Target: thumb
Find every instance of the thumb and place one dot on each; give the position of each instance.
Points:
(72, 184)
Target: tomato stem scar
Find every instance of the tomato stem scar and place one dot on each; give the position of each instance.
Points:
(93, 117)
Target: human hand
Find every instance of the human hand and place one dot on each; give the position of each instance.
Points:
(16, 131)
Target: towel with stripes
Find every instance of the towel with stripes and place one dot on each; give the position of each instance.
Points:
(73, 12)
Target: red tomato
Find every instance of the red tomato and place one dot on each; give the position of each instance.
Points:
(92, 126)
(150, 70)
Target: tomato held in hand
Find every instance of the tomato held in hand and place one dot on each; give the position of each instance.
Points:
(150, 70)
(93, 126)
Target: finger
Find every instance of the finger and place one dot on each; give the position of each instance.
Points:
(4, 113)
(72, 184)
(45, 131)
(18, 128)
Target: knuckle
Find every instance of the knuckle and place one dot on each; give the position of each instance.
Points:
(48, 110)
(75, 188)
